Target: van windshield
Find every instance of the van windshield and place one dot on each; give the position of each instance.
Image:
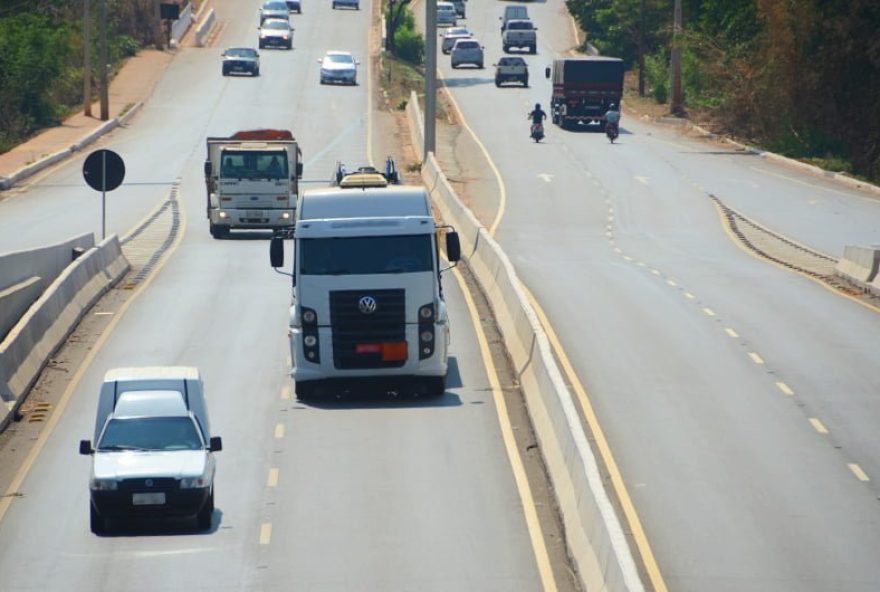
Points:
(365, 255)
(151, 433)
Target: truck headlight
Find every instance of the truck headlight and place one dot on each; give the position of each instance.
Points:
(195, 482)
(104, 484)
(310, 341)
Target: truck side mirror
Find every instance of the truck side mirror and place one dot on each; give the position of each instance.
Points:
(85, 447)
(207, 168)
(299, 170)
(547, 72)
(216, 444)
(453, 247)
(276, 251)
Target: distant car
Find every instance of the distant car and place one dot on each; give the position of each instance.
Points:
(276, 32)
(459, 8)
(338, 66)
(452, 35)
(520, 33)
(347, 3)
(274, 9)
(241, 59)
(294, 6)
(467, 51)
(515, 12)
(446, 15)
(511, 69)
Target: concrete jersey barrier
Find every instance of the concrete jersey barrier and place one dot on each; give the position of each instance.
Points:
(594, 535)
(859, 265)
(49, 321)
(204, 28)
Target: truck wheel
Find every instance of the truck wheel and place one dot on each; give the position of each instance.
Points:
(525, 82)
(435, 386)
(497, 83)
(505, 48)
(533, 49)
(218, 231)
(206, 514)
(304, 390)
(97, 523)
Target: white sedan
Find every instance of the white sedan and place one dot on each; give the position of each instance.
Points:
(452, 35)
(338, 66)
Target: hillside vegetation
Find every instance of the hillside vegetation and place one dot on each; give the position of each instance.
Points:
(41, 57)
(801, 77)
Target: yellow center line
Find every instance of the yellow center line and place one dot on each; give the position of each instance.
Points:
(545, 570)
(627, 257)
(709, 312)
(784, 388)
(756, 358)
(858, 472)
(731, 332)
(671, 283)
(279, 431)
(818, 425)
(272, 480)
(656, 272)
(265, 533)
(285, 392)
(617, 483)
(689, 296)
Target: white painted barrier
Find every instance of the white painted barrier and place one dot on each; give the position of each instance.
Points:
(859, 265)
(44, 327)
(181, 25)
(593, 532)
(204, 28)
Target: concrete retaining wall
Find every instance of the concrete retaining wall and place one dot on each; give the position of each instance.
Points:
(44, 263)
(16, 299)
(594, 535)
(859, 265)
(48, 322)
(204, 28)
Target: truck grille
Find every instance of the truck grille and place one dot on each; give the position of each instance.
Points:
(354, 332)
(158, 484)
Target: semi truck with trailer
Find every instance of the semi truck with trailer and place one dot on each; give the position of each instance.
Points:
(367, 310)
(252, 180)
(583, 89)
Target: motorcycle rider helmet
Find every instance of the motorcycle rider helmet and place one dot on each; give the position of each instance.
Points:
(612, 107)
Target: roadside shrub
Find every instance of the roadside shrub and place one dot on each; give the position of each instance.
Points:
(409, 46)
(657, 76)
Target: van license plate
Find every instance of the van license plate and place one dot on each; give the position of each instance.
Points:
(148, 499)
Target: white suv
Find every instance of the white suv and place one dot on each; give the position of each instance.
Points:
(467, 51)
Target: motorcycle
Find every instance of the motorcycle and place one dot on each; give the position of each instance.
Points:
(612, 131)
(537, 133)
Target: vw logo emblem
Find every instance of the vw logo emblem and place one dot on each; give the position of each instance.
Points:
(148, 482)
(367, 305)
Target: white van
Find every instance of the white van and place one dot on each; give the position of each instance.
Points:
(511, 13)
(153, 453)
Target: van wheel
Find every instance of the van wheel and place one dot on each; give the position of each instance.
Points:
(97, 523)
(218, 231)
(206, 514)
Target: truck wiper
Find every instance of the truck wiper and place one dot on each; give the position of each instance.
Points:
(118, 447)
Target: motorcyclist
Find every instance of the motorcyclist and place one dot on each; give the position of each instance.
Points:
(612, 116)
(538, 115)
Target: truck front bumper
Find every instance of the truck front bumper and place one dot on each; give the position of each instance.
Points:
(123, 504)
(235, 218)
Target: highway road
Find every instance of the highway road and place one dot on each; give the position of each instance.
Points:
(356, 495)
(740, 399)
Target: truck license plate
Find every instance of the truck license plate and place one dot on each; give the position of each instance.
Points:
(148, 499)
(254, 214)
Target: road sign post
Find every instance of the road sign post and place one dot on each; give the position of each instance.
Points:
(104, 171)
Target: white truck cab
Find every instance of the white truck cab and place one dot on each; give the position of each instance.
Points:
(367, 309)
(153, 453)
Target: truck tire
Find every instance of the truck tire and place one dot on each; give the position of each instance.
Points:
(525, 82)
(497, 83)
(206, 515)
(505, 48)
(97, 523)
(533, 49)
(218, 231)
(435, 386)
(304, 390)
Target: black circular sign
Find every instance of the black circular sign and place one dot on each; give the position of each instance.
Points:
(104, 170)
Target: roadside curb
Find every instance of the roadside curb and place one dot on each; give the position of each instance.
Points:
(45, 162)
(812, 169)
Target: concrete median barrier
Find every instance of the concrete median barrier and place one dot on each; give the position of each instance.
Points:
(48, 322)
(204, 28)
(594, 535)
(859, 265)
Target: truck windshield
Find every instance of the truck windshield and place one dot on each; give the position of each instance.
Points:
(244, 164)
(365, 255)
(150, 433)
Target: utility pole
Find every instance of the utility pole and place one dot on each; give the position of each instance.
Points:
(430, 74)
(642, 48)
(676, 105)
(102, 60)
(87, 59)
